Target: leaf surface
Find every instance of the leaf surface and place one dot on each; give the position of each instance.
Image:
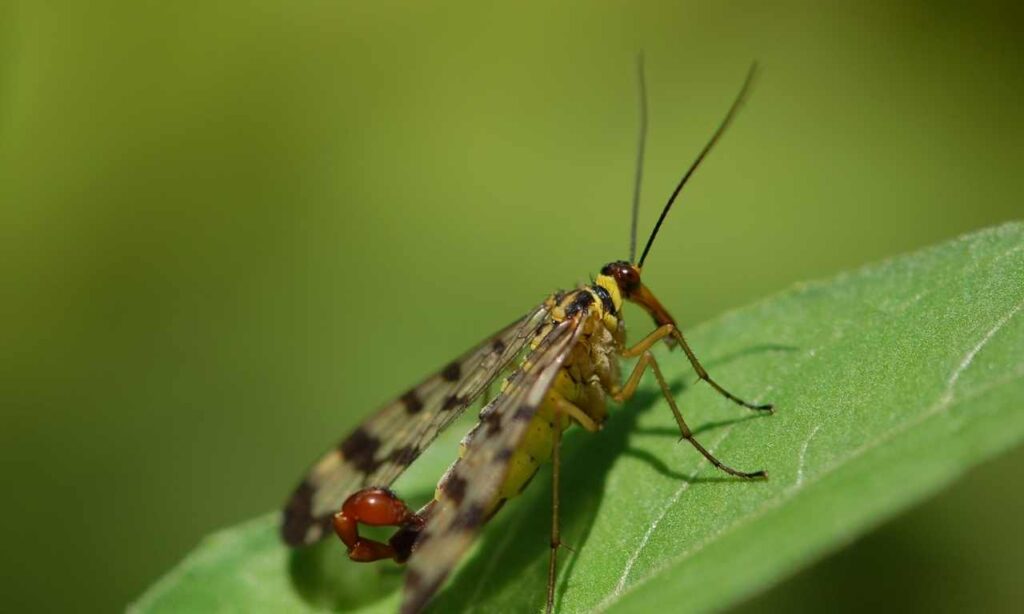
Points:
(889, 382)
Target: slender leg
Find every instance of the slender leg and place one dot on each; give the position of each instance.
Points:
(555, 538)
(670, 330)
(627, 391)
(564, 410)
(569, 409)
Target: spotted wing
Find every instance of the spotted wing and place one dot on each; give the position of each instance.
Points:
(460, 512)
(382, 447)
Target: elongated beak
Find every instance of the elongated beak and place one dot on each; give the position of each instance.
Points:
(645, 298)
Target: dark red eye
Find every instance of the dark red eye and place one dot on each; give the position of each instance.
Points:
(625, 274)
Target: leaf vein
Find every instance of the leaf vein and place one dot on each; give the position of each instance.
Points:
(803, 456)
(669, 503)
(945, 402)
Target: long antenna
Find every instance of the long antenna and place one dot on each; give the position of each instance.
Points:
(700, 158)
(641, 145)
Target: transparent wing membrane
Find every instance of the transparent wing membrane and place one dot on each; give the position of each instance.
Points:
(382, 447)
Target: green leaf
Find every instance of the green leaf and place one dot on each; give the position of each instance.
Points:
(889, 382)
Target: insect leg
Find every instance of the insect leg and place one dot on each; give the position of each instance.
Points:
(569, 409)
(670, 330)
(564, 410)
(627, 391)
(555, 537)
(375, 507)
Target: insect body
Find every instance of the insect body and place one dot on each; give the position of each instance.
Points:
(564, 357)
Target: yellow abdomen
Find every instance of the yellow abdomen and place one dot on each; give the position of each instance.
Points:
(538, 441)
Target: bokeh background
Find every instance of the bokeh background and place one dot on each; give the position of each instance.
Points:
(230, 229)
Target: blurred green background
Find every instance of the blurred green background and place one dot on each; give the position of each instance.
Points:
(230, 229)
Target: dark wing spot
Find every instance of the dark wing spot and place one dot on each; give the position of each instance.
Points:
(468, 519)
(492, 421)
(298, 515)
(359, 449)
(451, 402)
(525, 412)
(455, 488)
(404, 456)
(504, 455)
(412, 402)
(404, 541)
(452, 372)
(498, 346)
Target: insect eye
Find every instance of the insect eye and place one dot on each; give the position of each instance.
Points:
(625, 274)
